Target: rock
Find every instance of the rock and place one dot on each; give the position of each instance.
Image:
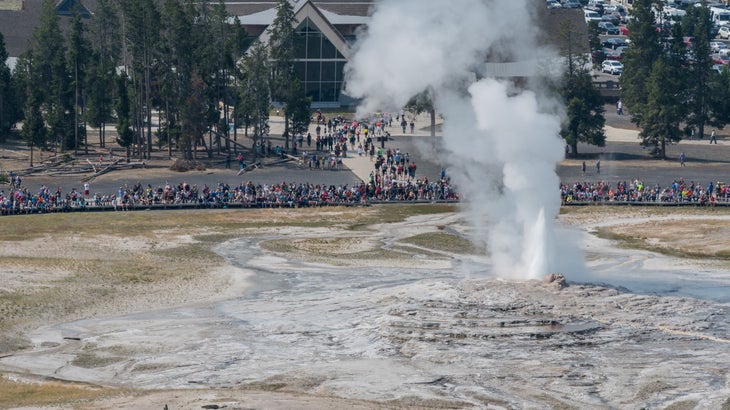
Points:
(556, 280)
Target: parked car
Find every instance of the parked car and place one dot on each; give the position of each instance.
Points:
(614, 43)
(612, 67)
(608, 28)
(616, 8)
(723, 59)
(724, 32)
(571, 4)
(716, 46)
(623, 30)
(714, 30)
(611, 18)
(616, 54)
(554, 4)
(590, 15)
(596, 5)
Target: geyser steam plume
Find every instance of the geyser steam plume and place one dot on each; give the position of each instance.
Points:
(501, 145)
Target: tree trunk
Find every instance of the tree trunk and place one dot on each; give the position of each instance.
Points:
(148, 108)
(86, 125)
(76, 107)
(286, 131)
(433, 122)
(167, 120)
(574, 149)
(210, 143)
(663, 149)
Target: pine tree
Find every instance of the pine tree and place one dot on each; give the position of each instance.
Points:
(78, 56)
(297, 109)
(583, 102)
(48, 77)
(106, 46)
(125, 134)
(698, 75)
(663, 112)
(281, 49)
(584, 111)
(9, 105)
(254, 91)
(141, 28)
(639, 59)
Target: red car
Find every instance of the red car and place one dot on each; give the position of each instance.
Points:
(720, 58)
(623, 30)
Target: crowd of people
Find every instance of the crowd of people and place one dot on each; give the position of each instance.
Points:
(393, 179)
(221, 195)
(384, 186)
(678, 192)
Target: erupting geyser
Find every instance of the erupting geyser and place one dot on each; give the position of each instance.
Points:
(501, 141)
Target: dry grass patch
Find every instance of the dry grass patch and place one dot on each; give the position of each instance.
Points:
(690, 238)
(90, 360)
(321, 246)
(25, 393)
(389, 213)
(334, 251)
(442, 241)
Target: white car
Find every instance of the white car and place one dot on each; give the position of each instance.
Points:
(612, 67)
(590, 15)
(724, 32)
(716, 46)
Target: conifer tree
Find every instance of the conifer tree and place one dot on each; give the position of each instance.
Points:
(281, 49)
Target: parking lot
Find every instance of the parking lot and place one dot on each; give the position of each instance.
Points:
(611, 18)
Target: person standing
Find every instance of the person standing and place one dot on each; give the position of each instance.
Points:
(87, 189)
(598, 166)
(620, 108)
(713, 138)
(583, 168)
(681, 159)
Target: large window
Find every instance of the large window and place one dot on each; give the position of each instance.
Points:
(318, 63)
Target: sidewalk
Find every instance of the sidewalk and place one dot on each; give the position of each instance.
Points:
(361, 166)
(624, 135)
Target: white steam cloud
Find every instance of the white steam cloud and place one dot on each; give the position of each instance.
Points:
(501, 146)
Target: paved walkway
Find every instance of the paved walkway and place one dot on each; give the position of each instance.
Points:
(361, 166)
(623, 158)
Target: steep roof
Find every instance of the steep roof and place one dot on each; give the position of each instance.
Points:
(18, 24)
(334, 17)
(306, 10)
(67, 7)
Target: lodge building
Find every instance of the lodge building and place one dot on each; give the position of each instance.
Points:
(326, 31)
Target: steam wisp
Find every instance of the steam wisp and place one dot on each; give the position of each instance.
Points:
(501, 144)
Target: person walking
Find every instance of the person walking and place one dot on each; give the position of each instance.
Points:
(713, 138)
(681, 159)
(598, 166)
(583, 168)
